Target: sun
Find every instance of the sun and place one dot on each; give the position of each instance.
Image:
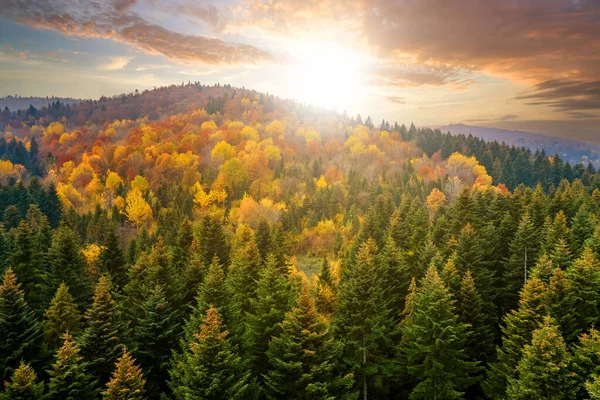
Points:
(326, 75)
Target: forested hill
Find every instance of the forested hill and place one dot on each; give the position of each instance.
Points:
(213, 242)
(20, 103)
(570, 150)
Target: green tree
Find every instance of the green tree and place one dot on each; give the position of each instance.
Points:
(62, 316)
(102, 340)
(363, 321)
(155, 337)
(209, 368)
(436, 343)
(263, 239)
(112, 258)
(586, 360)
(593, 387)
(23, 385)
(517, 331)
(127, 382)
(69, 379)
(522, 256)
(68, 266)
(268, 308)
(28, 256)
(543, 372)
(21, 336)
(583, 294)
(303, 357)
(471, 312)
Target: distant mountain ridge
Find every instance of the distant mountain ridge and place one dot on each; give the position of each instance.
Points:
(15, 103)
(571, 150)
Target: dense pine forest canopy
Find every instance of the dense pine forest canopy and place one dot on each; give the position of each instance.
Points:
(211, 242)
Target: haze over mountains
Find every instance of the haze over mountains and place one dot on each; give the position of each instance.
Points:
(571, 150)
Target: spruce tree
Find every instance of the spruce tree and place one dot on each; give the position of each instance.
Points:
(561, 255)
(436, 343)
(517, 331)
(127, 382)
(263, 239)
(155, 337)
(209, 368)
(470, 310)
(60, 317)
(583, 294)
(586, 360)
(28, 256)
(68, 266)
(21, 334)
(112, 258)
(103, 337)
(240, 286)
(543, 372)
(68, 376)
(302, 359)
(195, 272)
(522, 255)
(593, 387)
(181, 250)
(364, 322)
(325, 290)
(268, 308)
(23, 385)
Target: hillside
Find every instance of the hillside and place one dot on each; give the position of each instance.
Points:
(570, 150)
(201, 241)
(16, 103)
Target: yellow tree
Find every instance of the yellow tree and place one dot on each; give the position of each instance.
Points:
(137, 209)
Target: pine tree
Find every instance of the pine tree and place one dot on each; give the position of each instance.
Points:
(268, 308)
(561, 255)
(103, 337)
(583, 294)
(436, 348)
(582, 228)
(127, 382)
(68, 377)
(195, 272)
(240, 287)
(586, 360)
(28, 256)
(155, 337)
(181, 250)
(522, 255)
(593, 387)
(21, 334)
(112, 259)
(23, 385)
(470, 311)
(363, 321)
(209, 368)
(68, 266)
(213, 242)
(263, 239)
(303, 357)
(325, 300)
(517, 331)
(543, 371)
(62, 316)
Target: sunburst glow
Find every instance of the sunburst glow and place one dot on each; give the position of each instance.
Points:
(326, 75)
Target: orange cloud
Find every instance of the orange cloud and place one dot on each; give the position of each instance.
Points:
(113, 21)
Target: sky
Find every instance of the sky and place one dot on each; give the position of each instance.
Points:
(515, 64)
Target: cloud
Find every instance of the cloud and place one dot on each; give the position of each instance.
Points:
(115, 21)
(565, 95)
(508, 117)
(115, 63)
(395, 99)
(533, 40)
